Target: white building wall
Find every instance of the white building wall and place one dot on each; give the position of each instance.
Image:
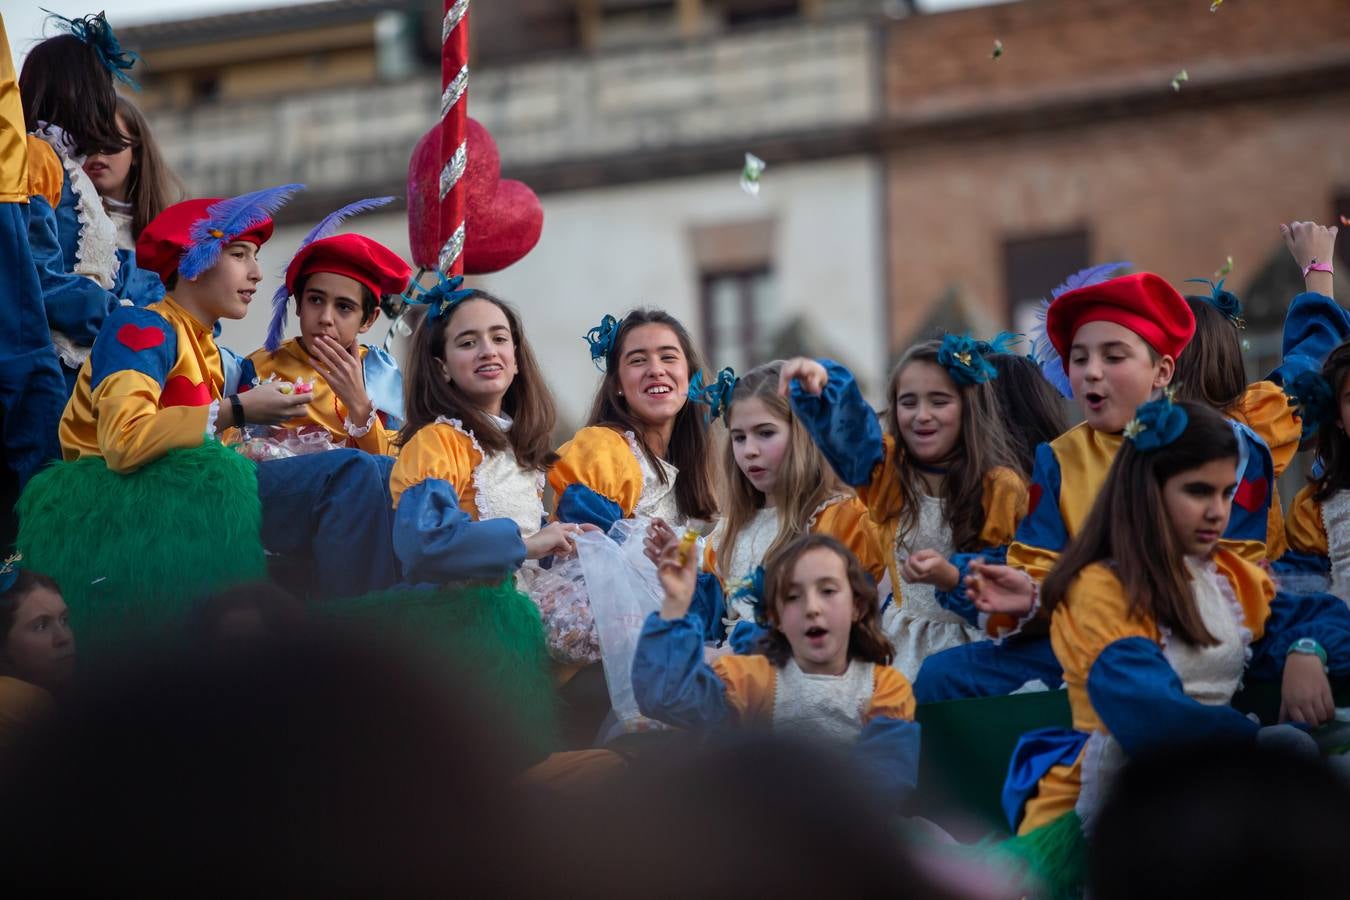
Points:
(607, 250)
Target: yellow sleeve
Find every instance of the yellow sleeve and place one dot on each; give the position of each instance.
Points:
(378, 440)
(1265, 409)
(601, 459)
(1276, 544)
(892, 696)
(133, 430)
(45, 175)
(750, 683)
(13, 130)
(881, 495)
(848, 521)
(1251, 585)
(1303, 526)
(435, 451)
(1005, 505)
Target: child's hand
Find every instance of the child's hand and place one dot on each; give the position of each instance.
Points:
(1305, 695)
(554, 539)
(1000, 589)
(678, 580)
(1309, 242)
(930, 567)
(808, 372)
(658, 536)
(341, 367)
(267, 405)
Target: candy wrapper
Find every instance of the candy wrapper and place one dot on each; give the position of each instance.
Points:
(560, 594)
(261, 443)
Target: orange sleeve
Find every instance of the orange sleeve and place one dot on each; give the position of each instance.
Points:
(1303, 526)
(750, 683)
(848, 521)
(132, 428)
(601, 459)
(892, 696)
(1265, 408)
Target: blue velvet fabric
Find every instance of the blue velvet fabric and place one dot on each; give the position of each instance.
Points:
(75, 305)
(1313, 325)
(583, 506)
(32, 385)
(1140, 700)
(1043, 526)
(671, 682)
(1303, 573)
(334, 510)
(141, 286)
(987, 669)
(1256, 481)
(437, 542)
(887, 755)
(1036, 753)
(112, 355)
(384, 386)
(842, 424)
(709, 606)
(957, 600)
(1320, 616)
(744, 636)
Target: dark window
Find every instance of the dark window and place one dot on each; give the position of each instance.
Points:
(746, 12)
(1339, 216)
(205, 88)
(736, 315)
(1034, 265)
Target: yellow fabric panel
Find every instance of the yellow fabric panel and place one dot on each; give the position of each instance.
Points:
(1304, 527)
(881, 495)
(13, 131)
(1252, 586)
(439, 451)
(601, 459)
(848, 521)
(750, 683)
(1005, 505)
(1265, 409)
(892, 696)
(289, 363)
(1276, 545)
(1056, 793)
(46, 176)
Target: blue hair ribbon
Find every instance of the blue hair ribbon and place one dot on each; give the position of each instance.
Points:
(601, 338)
(966, 359)
(717, 396)
(1226, 302)
(95, 31)
(751, 590)
(442, 297)
(1156, 424)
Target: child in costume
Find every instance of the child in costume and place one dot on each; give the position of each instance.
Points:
(778, 487)
(1157, 624)
(644, 450)
(468, 484)
(824, 674)
(1032, 409)
(70, 109)
(942, 488)
(1115, 342)
(37, 649)
(154, 383)
(338, 281)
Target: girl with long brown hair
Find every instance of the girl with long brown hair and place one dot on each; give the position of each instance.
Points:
(942, 487)
(475, 444)
(1156, 625)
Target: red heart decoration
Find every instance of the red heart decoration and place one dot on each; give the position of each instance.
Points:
(138, 338)
(1034, 498)
(183, 391)
(502, 219)
(1251, 495)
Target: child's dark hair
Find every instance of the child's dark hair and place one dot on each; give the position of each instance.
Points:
(1333, 444)
(1030, 406)
(64, 83)
(1129, 528)
(866, 641)
(983, 445)
(1210, 369)
(151, 184)
(528, 401)
(24, 584)
(689, 450)
(370, 303)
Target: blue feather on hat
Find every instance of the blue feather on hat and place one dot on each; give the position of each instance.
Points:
(1052, 365)
(326, 228)
(225, 221)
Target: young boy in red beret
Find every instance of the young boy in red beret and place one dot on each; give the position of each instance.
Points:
(1118, 341)
(337, 283)
(154, 382)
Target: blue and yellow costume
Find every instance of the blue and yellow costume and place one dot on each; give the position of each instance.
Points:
(1135, 686)
(461, 513)
(869, 708)
(919, 621)
(1319, 534)
(603, 476)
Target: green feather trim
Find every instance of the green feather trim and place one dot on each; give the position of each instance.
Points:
(491, 631)
(131, 552)
(1055, 855)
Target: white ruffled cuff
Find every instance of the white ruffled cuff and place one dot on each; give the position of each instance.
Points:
(212, 413)
(359, 431)
(995, 625)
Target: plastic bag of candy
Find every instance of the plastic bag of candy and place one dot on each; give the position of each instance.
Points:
(560, 594)
(265, 442)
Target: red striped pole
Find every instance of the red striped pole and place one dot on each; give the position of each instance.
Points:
(454, 149)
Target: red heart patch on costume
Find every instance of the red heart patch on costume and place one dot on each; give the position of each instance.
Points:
(1034, 498)
(1251, 495)
(138, 338)
(502, 219)
(183, 391)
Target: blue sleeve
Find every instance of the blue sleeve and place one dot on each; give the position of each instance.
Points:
(436, 541)
(887, 754)
(76, 306)
(583, 506)
(709, 606)
(671, 682)
(136, 340)
(1043, 525)
(744, 636)
(239, 371)
(1313, 325)
(141, 286)
(384, 386)
(1322, 617)
(956, 599)
(842, 424)
(1140, 699)
(1302, 573)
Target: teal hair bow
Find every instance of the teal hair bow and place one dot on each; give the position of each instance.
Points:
(1226, 302)
(441, 298)
(965, 358)
(717, 396)
(1156, 424)
(601, 338)
(97, 33)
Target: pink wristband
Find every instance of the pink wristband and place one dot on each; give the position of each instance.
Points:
(1316, 266)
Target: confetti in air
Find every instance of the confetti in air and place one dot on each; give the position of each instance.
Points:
(998, 50)
(1214, 7)
(1225, 269)
(754, 167)
(1180, 79)
(1345, 220)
